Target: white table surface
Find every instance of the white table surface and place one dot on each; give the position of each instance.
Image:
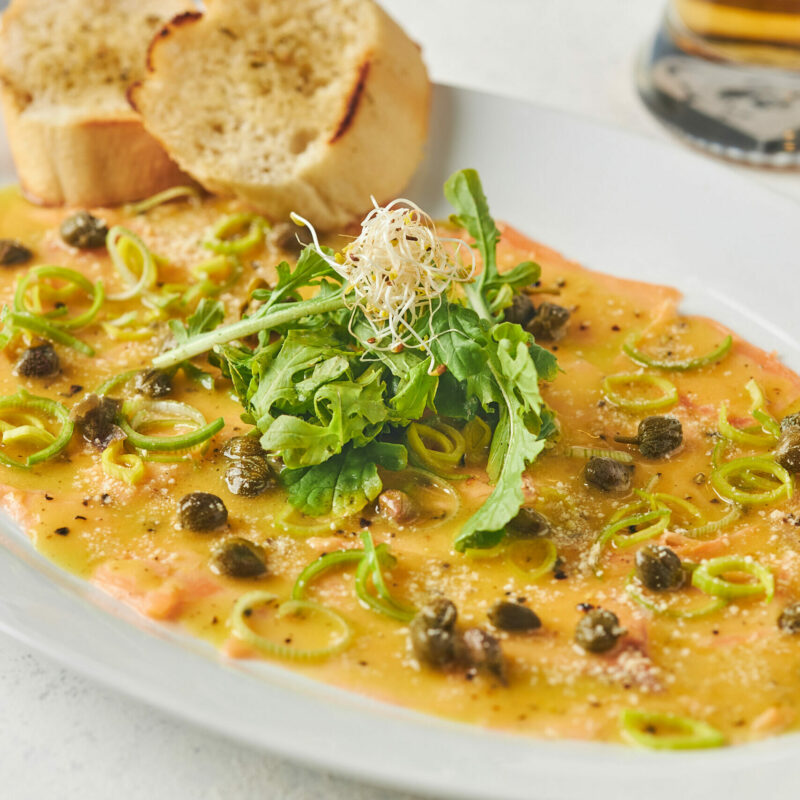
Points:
(64, 737)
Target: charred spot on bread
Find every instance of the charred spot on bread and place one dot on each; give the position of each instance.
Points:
(353, 102)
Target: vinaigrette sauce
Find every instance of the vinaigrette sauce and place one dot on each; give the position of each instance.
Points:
(733, 669)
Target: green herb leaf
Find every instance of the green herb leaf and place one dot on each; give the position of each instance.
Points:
(346, 482)
(344, 411)
(458, 340)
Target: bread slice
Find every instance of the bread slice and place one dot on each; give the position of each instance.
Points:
(291, 105)
(65, 68)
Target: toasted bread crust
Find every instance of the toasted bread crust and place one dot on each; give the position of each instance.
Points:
(66, 149)
(366, 141)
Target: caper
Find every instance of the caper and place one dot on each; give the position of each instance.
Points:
(432, 633)
(397, 505)
(659, 568)
(239, 558)
(84, 230)
(439, 612)
(513, 617)
(791, 423)
(528, 524)
(477, 649)
(789, 620)
(242, 447)
(40, 361)
(96, 418)
(249, 476)
(598, 631)
(787, 453)
(550, 322)
(13, 252)
(202, 511)
(521, 310)
(607, 474)
(657, 436)
(153, 383)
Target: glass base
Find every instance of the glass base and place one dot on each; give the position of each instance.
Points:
(745, 113)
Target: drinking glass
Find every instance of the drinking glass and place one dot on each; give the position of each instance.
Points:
(725, 75)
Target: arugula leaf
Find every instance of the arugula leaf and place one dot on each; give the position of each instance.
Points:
(457, 340)
(286, 382)
(310, 269)
(344, 411)
(511, 382)
(492, 291)
(208, 314)
(464, 192)
(346, 482)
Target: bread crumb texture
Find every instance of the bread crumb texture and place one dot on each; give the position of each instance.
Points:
(309, 106)
(78, 55)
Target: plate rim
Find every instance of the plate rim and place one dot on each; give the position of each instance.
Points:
(719, 763)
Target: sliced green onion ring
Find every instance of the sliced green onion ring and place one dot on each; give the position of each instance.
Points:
(576, 451)
(23, 400)
(370, 569)
(247, 603)
(438, 447)
(133, 261)
(94, 291)
(708, 578)
(28, 434)
(415, 481)
(167, 196)
(31, 322)
(630, 350)
(122, 466)
(477, 439)
(715, 526)
(222, 239)
(519, 554)
(113, 382)
(723, 475)
(734, 434)
(639, 728)
(669, 392)
(166, 412)
(657, 521)
(668, 610)
(321, 565)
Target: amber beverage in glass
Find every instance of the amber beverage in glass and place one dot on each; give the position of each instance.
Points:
(725, 74)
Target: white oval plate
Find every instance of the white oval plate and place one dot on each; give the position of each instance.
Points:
(615, 202)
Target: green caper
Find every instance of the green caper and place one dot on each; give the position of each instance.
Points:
(153, 383)
(787, 453)
(528, 524)
(202, 511)
(598, 631)
(607, 474)
(521, 310)
(239, 558)
(789, 620)
(657, 436)
(13, 252)
(249, 476)
(84, 230)
(513, 617)
(659, 568)
(477, 649)
(96, 419)
(40, 361)
(398, 506)
(432, 633)
(242, 447)
(550, 322)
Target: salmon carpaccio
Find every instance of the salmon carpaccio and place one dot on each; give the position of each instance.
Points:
(734, 668)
